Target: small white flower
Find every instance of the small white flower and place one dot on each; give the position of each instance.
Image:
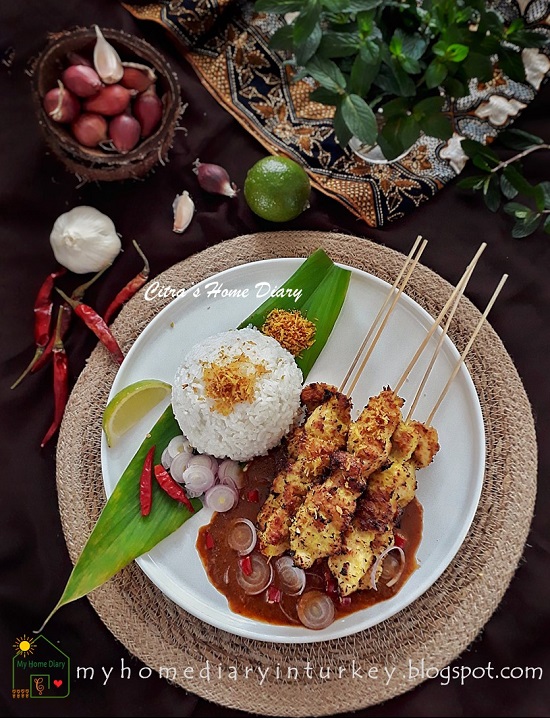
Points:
(453, 152)
(536, 66)
(498, 109)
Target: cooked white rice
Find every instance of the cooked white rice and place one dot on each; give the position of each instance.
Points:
(253, 427)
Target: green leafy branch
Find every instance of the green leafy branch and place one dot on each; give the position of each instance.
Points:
(502, 181)
(389, 67)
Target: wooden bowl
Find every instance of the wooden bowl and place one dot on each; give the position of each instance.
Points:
(95, 163)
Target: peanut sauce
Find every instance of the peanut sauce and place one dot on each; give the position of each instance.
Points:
(222, 562)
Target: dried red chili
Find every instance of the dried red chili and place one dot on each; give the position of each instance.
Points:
(253, 496)
(131, 288)
(171, 487)
(146, 483)
(43, 307)
(77, 294)
(60, 381)
(209, 540)
(96, 324)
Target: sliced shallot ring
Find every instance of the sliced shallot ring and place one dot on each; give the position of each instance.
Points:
(259, 579)
(230, 483)
(198, 479)
(292, 579)
(177, 445)
(315, 610)
(236, 538)
(179, 464)
(165, 459)
(206, 461)
(379, 559)
(221, 498)
(231, 470)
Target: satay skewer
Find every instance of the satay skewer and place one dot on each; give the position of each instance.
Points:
(380, 313)
(438, 320)
(467, 348)
(461, 287)
(387, 317)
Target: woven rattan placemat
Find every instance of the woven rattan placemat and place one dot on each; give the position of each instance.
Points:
(434, 629)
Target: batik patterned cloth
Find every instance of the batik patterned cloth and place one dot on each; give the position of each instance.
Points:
(228, 46)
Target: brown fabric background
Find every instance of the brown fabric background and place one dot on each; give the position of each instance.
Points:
(35, 189)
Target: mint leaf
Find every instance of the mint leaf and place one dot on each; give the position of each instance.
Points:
(327, 73)
(526, 226)
(307, 49)
(343, 133)
(491, 193)
(519, 139)
(359, 118)
(506, 187)
(436, 72)
(511, 64)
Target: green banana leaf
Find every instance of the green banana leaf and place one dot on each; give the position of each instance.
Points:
(121, 533)
(306, 278)
(323, 308)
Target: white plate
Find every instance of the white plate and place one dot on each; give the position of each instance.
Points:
(448, 489)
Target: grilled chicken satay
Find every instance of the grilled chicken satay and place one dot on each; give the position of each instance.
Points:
(310, 448)
(317, 528)
(389, 491)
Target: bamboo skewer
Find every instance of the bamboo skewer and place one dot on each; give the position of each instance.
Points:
(387, 316)
(436, 323)
(380, 313)
(461, 288)
(467, 348)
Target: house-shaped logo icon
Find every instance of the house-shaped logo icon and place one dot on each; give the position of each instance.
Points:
(40, 669)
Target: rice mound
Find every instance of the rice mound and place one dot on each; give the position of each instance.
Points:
(251, 427)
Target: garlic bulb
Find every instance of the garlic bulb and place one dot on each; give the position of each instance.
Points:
(84, 240)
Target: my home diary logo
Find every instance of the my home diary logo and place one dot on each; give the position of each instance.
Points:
(40, 669)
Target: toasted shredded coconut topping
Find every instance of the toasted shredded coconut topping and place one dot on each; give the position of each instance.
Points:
(291, 330)
(231, 381)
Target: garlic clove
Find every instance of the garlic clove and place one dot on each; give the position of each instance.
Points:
(107, 61)
(183, 207)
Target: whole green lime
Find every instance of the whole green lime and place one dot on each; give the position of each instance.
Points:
(277, 188)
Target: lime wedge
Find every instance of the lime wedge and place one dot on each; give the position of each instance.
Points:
(131, 404)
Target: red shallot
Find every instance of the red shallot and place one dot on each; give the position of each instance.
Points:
(109, 100)
(137, 77)
(61, 105)
(124, 131)
(90, 129)
(148, 111)
(81, 80)
(214, 179)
